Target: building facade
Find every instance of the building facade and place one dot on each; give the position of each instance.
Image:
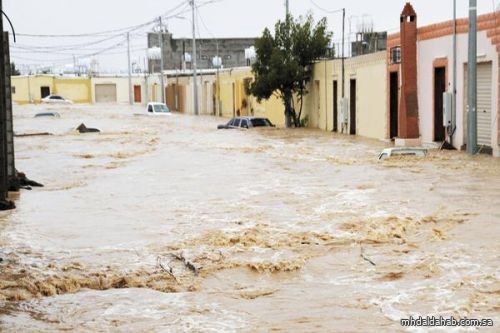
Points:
(430, 74)
(231, 51)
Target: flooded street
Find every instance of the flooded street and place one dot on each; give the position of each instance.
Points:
(162, 224)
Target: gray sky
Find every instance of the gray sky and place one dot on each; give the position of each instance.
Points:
(223, 18)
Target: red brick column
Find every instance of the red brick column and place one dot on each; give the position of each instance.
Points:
(408, 109)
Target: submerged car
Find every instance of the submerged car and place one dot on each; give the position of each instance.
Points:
(158, 108)
(246, 122)
(48, 114)
(56, 99)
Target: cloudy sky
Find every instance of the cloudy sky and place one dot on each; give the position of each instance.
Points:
(220, 18)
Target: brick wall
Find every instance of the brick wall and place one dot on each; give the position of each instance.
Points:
(408, 105)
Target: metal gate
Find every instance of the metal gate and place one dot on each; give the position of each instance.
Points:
(484, 87)
(105, 93)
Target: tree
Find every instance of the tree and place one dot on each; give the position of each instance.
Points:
(13, 70)
(284, 61)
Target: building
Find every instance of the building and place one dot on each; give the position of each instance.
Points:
(369, 42)
(362, 88)
(398, 93)
(231, 51)
(32, 88)
(420, 70)
(235, 101)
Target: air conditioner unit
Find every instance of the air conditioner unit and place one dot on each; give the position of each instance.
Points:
(447, 108)
(344, 110)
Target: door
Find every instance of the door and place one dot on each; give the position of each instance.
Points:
(484, 87)
(137, 94)
(44, 91)
(394, 104)
(105, 93)
(335, 107)
(439, 89)
(352, 122)
(318, 103)
(234, 100)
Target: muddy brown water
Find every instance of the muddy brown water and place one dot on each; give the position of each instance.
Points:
(164, 224)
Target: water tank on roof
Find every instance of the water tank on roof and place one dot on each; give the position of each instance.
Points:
(154, 53)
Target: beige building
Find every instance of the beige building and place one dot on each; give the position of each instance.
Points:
(364, 93)
(31, 89)
(235, 101)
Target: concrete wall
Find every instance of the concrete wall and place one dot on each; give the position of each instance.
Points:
(442, 48)
(231, 50)
(76, 89)
(28, 88)
(369, 71)
(234, 98)
(122, 92)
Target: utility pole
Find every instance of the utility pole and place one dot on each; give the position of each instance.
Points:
(454, 107)
(146, 90)
(160, 37)
(130, 100)
(343, 54)
(3, 124)
(287, 8)
(193, 59)
(472, 80)
(219, 63)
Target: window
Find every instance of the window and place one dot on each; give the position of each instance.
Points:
(261, 122)
(56, 97)
(244, 123)
(396, 55)
(236, 122)
(13, 89)
(150, 108)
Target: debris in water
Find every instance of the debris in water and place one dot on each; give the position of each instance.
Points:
(23, 135)
(366, 258)
(189, 265)
(84, 129)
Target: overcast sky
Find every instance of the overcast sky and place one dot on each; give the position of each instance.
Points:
(222, 18)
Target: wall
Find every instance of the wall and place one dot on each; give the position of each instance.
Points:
(435, 43)
(122, 87)
(369, 71)
(28, 88)
(231, 50)
(205, 93)
(442, 47)
(272, 108)
(76, 89)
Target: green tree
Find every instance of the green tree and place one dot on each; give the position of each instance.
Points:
(284, 61)
(13, 70)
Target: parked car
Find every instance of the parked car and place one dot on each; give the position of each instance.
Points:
(55, 99)
(246, 122)
(158, 108)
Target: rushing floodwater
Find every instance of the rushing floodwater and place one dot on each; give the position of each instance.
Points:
(166, 224)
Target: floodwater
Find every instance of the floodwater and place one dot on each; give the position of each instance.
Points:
(164, 224)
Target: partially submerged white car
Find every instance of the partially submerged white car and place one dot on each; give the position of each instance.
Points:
(158, 109)
(56, 99)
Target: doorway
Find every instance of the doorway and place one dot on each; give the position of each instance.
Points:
(137, 94)
(44, 91)
(352, 122)
(439, 89)
(335, 107)
(394, 107)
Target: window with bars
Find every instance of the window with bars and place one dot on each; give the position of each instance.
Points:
(396, 55)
